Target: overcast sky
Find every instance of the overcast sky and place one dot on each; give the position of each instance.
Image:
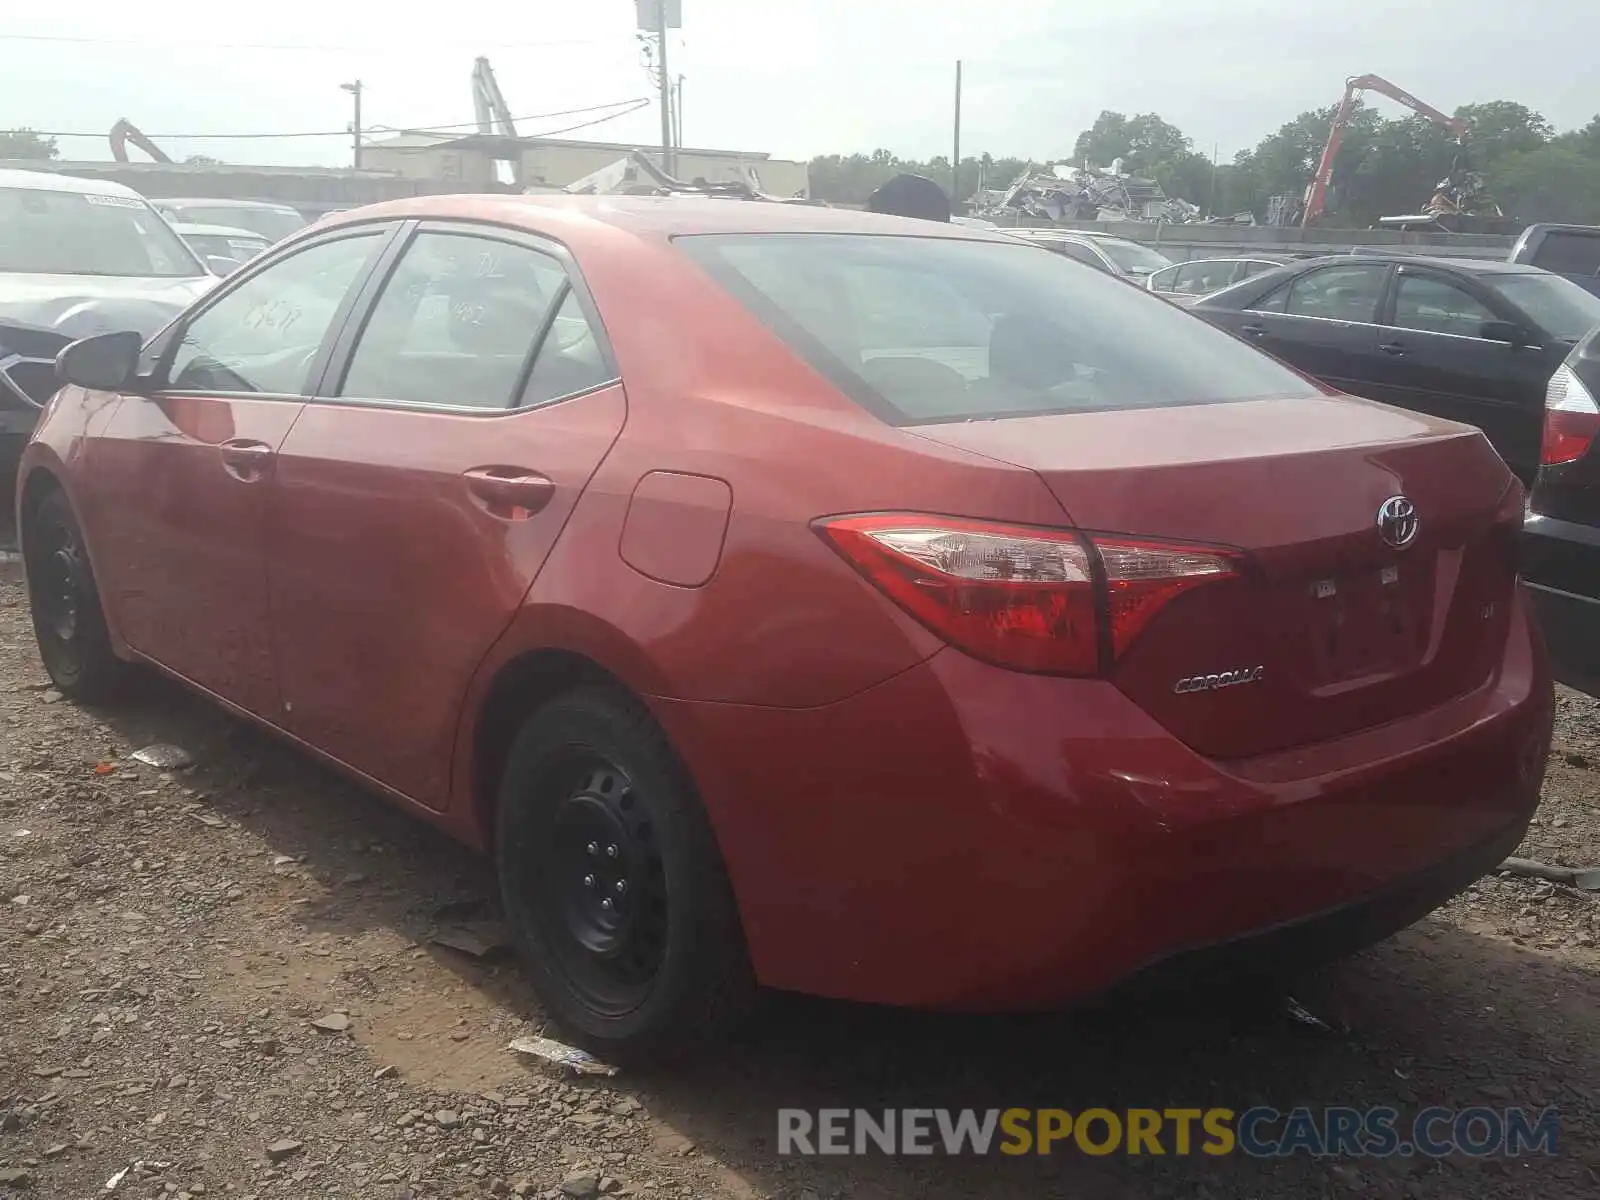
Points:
(830, 76)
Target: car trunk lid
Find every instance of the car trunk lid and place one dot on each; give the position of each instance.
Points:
(1328, 628)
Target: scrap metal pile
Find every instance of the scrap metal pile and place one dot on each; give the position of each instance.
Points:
(1089, 193)
(636, 175)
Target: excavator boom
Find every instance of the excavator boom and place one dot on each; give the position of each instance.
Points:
(1317, 195)
(125, 131)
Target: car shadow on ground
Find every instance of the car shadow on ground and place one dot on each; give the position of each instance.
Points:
(1437, 1016)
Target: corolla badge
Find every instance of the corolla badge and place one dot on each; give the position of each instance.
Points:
(1398, 521)
(1222, 679)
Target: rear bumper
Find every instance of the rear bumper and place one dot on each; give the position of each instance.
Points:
(1336, 932)
(966, 837)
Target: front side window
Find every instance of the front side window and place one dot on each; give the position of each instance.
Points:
(45, 232)
(1203, 278)
(1168, 279)
(1433, 305)
(1338, 293)
(263, 335)
(458, 322)
(920, 329)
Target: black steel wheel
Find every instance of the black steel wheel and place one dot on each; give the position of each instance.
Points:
(611, 878)
(68, 622)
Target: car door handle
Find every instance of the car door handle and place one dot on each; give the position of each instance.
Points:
(1254, 331)
(510, 488)
(1395, 349)
(246, 459)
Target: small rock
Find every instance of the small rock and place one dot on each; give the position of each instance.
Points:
(56, 1151)
(446, 1119)
(383, 1072)
(17, 1177)
(336, 1022)
(608, 1184)
(284, 1148)
(164, 756)
(459, 1035)
(51, 696)
(581, 1185)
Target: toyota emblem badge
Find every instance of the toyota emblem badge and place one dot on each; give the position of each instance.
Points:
(1398, 521)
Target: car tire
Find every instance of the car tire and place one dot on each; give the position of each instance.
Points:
(69, 623)
(613, 884)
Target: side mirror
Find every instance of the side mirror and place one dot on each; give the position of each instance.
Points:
(1506, 331)
(218, 265)
(107, 362)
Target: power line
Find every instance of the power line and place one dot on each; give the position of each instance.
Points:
(627, 105)
(298, 47)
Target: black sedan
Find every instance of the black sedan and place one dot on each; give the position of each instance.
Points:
(1472, 340)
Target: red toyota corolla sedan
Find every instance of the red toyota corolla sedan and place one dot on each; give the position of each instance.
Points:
(810, 599)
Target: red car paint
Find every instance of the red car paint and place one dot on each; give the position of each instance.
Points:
(902, 822)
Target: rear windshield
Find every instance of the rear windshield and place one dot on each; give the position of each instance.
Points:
(1561, 307)
(271, 223)
(1134, 258)
(932, 329)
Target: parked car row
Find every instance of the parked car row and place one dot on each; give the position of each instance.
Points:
(927, 613)
(1467, 339)
(84, 256)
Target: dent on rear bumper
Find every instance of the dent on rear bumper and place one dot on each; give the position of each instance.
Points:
(963, 836)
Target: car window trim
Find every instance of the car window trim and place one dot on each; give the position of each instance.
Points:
(173, 334)
(343, 351)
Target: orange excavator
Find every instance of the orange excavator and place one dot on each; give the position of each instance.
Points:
(1317, 194)
(125, 131)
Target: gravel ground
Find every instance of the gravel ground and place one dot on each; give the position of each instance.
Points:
(224, 980)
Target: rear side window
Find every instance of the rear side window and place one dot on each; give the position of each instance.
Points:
(458, 323)
(1568, 252)
(920, 329)
(1434, 305)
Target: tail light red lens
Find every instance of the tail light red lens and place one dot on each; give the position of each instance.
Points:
(1045, 600)
(1571, 419)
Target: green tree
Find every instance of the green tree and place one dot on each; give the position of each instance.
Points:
(1552, 183)
(25, 143)
(1501, 127)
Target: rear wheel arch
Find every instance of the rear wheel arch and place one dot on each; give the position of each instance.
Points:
(520, 688)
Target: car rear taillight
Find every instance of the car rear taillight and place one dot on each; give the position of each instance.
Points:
(1053, 601)
(1571, 419)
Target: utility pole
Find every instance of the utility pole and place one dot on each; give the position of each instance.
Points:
(955, 158)
(677, 114)
(1211, 209)
(669, 162)
(355, 126)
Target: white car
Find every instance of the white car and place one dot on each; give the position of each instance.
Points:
(79, 257)
(1105, 252)
(218, 245)
(272, 221)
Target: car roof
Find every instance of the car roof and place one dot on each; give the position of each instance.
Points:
(49, 181)
(218, 202)
(1069, 235)
(187, 227)
(1469, 266)
(656, 217)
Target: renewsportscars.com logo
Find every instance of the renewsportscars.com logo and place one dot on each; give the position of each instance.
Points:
(1258, 1132)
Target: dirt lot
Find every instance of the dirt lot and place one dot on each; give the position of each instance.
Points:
(168, 939)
